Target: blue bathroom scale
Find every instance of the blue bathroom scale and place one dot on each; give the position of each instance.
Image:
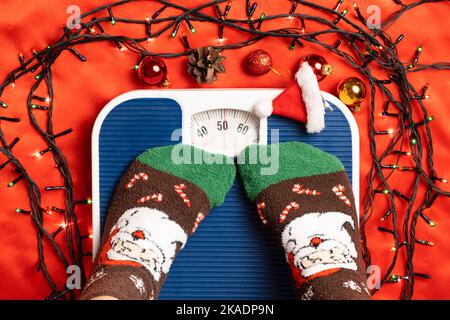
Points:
(232, 255)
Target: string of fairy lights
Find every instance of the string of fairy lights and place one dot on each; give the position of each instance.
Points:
(366, 48)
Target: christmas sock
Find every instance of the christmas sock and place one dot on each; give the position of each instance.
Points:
(308, 203)
(159, 202)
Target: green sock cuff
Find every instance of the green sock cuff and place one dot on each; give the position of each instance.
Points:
(213, 173)
(295, 160)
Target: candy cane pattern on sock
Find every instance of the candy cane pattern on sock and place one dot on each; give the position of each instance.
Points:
(138, 283)
(259, 208)
(291, 206)
(339, 191)
(299, 189)
(156, 197)
(136, 177)
(179, 190)
(199, 219)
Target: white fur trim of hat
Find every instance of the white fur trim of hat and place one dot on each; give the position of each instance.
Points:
(312, 98)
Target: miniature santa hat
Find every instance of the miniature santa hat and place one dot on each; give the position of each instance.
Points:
(300, 101)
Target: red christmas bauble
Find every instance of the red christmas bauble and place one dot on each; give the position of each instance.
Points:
(258, 62)
(153, 70)
(319, 65)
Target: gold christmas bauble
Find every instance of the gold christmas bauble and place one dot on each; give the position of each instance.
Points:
(352, 91)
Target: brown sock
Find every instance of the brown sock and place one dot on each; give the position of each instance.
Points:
(159, 202)
(308, 203)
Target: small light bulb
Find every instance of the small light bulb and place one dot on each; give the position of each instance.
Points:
(425, 242)
(393, 278)
(18, 210)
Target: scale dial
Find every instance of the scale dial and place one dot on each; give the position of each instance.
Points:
(226, 131)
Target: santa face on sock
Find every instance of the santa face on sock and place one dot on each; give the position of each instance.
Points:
(318, 244)
(144, 237)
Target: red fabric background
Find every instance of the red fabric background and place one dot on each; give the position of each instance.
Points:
(81, 90)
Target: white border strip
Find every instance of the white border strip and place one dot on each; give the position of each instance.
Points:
(197, 100)
(355, 144)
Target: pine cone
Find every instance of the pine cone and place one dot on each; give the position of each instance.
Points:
(205, 63)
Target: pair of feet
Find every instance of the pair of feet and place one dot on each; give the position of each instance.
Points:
(301, 193)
